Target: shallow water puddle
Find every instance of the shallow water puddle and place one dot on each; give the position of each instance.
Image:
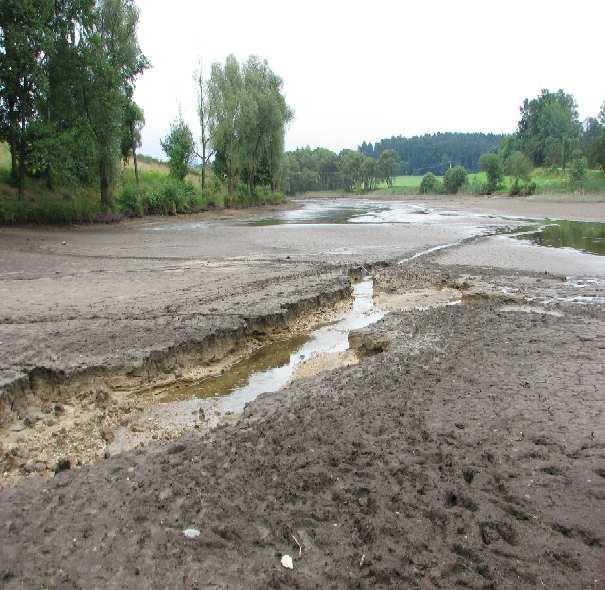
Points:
(356, 210)
(181, 406)
(588, 237)
(585, 236)
(333, 338)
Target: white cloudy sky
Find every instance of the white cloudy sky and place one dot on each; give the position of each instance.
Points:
(356, 70)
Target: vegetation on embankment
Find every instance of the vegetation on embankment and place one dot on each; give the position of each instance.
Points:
(157, 193)
(546, 180)
(68, 73)
(568, 156)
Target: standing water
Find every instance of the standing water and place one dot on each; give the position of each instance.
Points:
(268, 370)
(333, 338)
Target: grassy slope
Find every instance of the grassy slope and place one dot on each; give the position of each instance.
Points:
(157, 193)
(5, 157)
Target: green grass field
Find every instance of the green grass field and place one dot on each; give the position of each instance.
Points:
(547, 181)
(5, 158)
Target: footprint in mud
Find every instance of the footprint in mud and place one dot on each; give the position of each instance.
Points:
(587, 537)
(469, 474)
(492, 531)
(551, 470)
(453, 499)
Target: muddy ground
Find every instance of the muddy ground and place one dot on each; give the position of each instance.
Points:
(468, 451)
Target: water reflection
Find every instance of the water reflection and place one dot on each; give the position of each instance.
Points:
(270, 368)
(585, 236)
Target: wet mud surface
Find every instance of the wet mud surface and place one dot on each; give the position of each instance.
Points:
(468, 453)
(460, 443)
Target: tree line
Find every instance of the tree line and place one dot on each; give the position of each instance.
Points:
(68, 70)
(67, 75)
(243, 116)
(435, 152)
(549, 134)
(321, 169)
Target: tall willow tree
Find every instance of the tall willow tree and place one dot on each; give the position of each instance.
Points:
(204, 115)
(225, 90)
(24, 44)
(264, 117)
(67, 72)
(248, 115)
(112, 60)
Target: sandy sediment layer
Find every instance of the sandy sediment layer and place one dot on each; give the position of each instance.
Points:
(48, 416)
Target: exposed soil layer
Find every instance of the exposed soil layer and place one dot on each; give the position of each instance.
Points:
(52, 416)
(470, 452)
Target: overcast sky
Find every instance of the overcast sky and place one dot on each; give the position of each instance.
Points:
(357, 71)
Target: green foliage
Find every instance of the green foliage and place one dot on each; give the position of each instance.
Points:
(349, 167)
(430, 184)
(519, 167)
(549, 129)
(24, 43)
(454, 179)
(310, 170)
(132, 125)
(577, 170)
(75, 209)
(493, 167)
(130, 201)
(370, 170)
(594, 140)
(388, 162)
(247, 117)
(67, 71)
(179, 147)
(322, 169)
(434, 153)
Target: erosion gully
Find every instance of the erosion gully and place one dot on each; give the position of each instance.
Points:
(185, 404)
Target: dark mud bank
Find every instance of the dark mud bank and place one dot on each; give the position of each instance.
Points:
(165, 363)
(468, 454)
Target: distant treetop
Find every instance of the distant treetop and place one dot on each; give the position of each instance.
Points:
(436, 152)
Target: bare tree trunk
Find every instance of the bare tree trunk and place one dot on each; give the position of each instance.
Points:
(48, 173)
(203, 174)
(13, 150)
(136, 165)
(134, 154)
(21, 177)
(104, 178)
(21, 180)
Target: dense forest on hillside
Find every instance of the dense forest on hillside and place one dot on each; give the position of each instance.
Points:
(434, 153)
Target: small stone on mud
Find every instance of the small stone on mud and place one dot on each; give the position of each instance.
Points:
(368, 343)
(286, 562)
(191, 533)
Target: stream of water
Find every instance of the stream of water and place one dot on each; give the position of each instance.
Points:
(267, 370)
